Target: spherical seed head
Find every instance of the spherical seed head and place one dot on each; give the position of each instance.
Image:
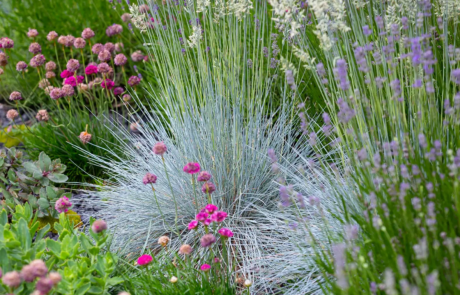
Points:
(120, 59)
(3, 59)
(21, 66)
(87, 33)
(137, 56)
(163, 241)
(42, 115)
(15, 95)
(56, 93)
(85, 137)
(185, 249)
(109, 46)
(55, 277)
(204, 176)
(52, 36)
(160, 148)
(50, 75)
(43, 83)
(103, 68)
(40, 269)
(97, 48)
(44, 285)
(32, 33)
(247, 283)
(73, 65)
(99, 226)
(126, 17)
(35, 48)
(7, 43)
(37, 61)
(68, 90)
(12, 279)
(79, 43)
(62, 205)
(104, 55)
(27, 273)
(149, 178)
(62, 40)
(133, 81)
(207, 240)
(69, 41)
(50, 66)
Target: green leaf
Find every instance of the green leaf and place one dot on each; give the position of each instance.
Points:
(32, 168)
(44, 161)
(83, 289)
(43, 203)
(95, 290)
(3, 217)
(114, 281)
(24, 234)
(58, 178)
(51, 193)
(54, 246)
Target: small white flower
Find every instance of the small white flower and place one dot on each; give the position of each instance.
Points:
(173, 280)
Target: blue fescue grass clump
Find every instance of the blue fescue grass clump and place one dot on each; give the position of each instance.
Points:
(390, 78)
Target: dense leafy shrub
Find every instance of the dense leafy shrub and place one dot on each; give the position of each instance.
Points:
(73, 264)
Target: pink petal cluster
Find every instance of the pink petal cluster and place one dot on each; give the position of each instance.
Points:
(192, 168)
(52, 36)
(193, 224)
(207, 240)
(97, 48)
(21, 66)
(133, 81)
(91, 69)
(72, 82)
(99, 226)
(113, 30)
(149, 178)
(107, 83)
(211, 208)
(66, 74)
(205, 267)
(109, 46)
(144, 259)
(204, 176)
(37, 61)
(7, 43)
(79, 43)
(208, 188)
(63, 205)
(118, 90)
(87, 33)
(225, 232)
(120, 59)
(159, 148)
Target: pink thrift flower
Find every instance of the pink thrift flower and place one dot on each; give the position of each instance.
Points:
(225, 232)
(118, 90)
(99, 226)
(12, 114)
(109, 84)
(204, 176)
(91, 69)
(109, 46)
(71, 81)
(103, 68)
(56, 93)
(7, 43)
(50, 66)
(205, 267)
(35, 48)
(211, 208)
(119, 46)
(32, 33)
(52, 36)
(207, 240)
(15, 95)
(149, 178)
(219, 216)
(73, 65)
(66, 74)
(207, 222)
(37, 61)
(208, 187)
(50, 75)
(85, 137)
(192, 168)
(69, 40)
(79, 43)
(126, 17)
(62, 40)
(68, 90)
(133, 81)
(137, 56)
(104, 55)
(144, 259)
(63, 205)
(216, 260)
(120, 59)
(97, 48)
(21, 66)
(193, 224)
(159, 148)
(201, 216)
(87, 33)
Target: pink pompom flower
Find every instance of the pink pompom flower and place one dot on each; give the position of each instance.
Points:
(211, 208)
(97, 48)
(219, 216)
(120, 59)
(118, 90)
(225, 232)
(90, 70)
(144, 260)
(149, 178)
(207, 221)
(159, 148)
(205, 267)
(99, 226)
(73, 65)
(208, 188)
(201, 216)
(193, 224)
(133, 81)
(109, 84)
(192, 168)
(66, 74)
(71, 80)
(207, 240)
(63, 205)
(87, 33)
(204, 176)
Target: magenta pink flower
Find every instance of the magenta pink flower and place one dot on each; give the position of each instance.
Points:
(202, 216)
(99, 226)
(108, 84)
(118, 90)
(133, 81)
(7, 43)
(71, 80)
(144, 259)
(208, 188)
(204, 176)
(192, 168)
(193, 224)
(149, 178)
(207, 240)
(219, 216)
(205, 267)
(91, 69)
(225, 232)
(159, 148)
(37, 60)
(66, 74)
(211, 208)
(207, 222)
(87, 33)
(21, 66)
(35, 48)
(120, 59)
(63, 205)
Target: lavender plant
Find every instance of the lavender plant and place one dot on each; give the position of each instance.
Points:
(389, 76)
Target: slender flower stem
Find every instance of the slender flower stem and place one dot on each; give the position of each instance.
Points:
(172, 191)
